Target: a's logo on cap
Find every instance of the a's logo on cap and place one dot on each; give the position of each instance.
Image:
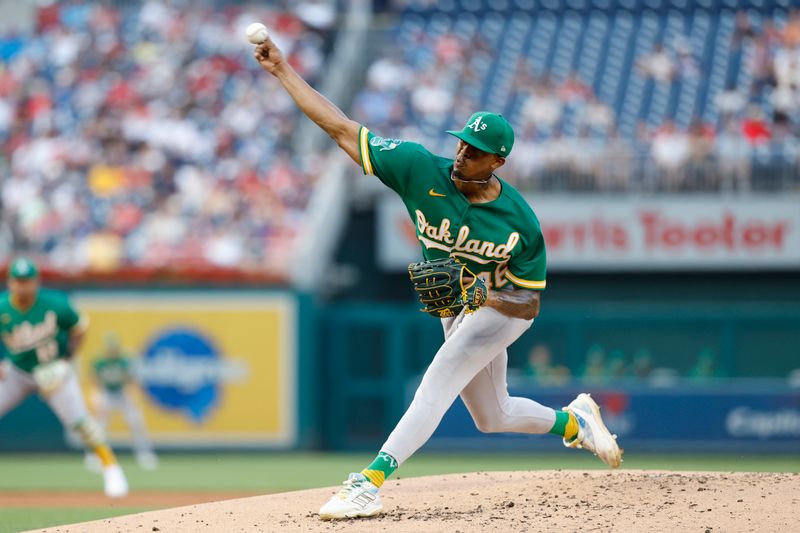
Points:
(22, 267)
(477, 125)
(503, 148)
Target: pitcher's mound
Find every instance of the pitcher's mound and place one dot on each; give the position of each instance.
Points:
(570, 500)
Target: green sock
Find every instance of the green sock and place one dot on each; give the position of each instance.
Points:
(566, 425)
(380, 469)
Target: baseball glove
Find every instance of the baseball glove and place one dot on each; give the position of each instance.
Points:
(50, 376)
(445, 286)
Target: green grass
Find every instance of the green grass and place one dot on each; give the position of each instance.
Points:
(13, 519)
(273, 472)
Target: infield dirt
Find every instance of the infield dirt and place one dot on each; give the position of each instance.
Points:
(546, 501)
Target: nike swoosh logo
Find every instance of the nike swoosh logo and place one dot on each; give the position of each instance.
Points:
(434, 193)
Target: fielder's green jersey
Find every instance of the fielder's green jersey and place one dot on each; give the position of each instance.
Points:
(113, 372)
(501, 240)
(38, 335)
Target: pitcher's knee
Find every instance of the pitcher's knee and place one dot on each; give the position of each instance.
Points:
(489, 424)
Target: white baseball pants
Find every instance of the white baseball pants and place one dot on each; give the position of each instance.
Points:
(471, 362)
(123, 403)
(66, 401)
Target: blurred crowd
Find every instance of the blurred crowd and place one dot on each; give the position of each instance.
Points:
(568, 138)
(143, 133)
(602, 366)
(146, 134)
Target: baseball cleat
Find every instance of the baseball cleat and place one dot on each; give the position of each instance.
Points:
(357, 498)
(115, 484)
(593, 435)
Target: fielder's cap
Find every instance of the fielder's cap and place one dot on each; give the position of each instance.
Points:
(489, 132)
(22, 268)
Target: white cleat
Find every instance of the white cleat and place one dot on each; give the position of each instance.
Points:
(357, 498)
(593, 435)
(115, 484)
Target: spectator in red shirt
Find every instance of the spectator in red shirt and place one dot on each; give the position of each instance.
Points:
(754, 128)
(574, 89)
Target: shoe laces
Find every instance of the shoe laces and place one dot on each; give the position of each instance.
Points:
(354, 479)
(351, 484)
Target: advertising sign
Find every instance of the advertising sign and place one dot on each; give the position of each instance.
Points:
(626, 233)
(211, 369)
(735, 417)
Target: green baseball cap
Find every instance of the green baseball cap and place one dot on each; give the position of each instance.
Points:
(489, 132)
(22, 268)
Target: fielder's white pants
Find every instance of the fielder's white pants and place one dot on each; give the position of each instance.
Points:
(122, 402)
(471, 362)
(66, 401)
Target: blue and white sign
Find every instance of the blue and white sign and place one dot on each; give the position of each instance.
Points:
(734, 417)
(182, 370)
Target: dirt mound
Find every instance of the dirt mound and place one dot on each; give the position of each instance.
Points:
(547, 501)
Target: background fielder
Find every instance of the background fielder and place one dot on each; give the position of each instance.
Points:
(113, 372)
(39, 332)
(461, 209)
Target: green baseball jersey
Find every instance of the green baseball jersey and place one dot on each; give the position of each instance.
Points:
(499, 240)
(40, 334)
(113, 372)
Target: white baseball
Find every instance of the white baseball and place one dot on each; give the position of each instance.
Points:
(257, 33)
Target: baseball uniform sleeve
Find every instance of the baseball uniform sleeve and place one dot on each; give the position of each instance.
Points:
(68, 316)
(528, 269)
(391, 160)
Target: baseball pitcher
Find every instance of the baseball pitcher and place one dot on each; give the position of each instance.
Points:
(40, 330)
(482, 276)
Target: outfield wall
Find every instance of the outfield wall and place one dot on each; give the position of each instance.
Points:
(216, 369)
(734, 416)
(376, 354)
(279, 370)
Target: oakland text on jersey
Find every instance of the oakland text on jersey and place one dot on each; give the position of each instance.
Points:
(440, 238)
(40, 333)
(26, 336)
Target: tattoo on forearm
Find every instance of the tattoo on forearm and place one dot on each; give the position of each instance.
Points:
(517, 303)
